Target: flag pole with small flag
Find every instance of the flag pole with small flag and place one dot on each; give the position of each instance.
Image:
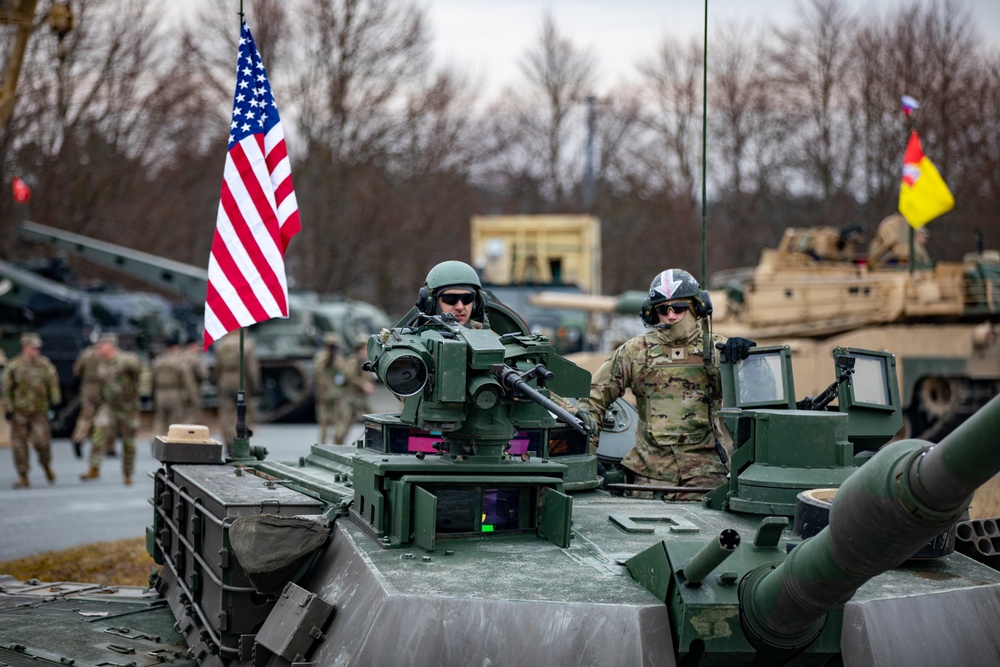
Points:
(258, 216)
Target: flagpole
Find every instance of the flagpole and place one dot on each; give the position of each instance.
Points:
(707, 350)
(910, 126)
(241, 443)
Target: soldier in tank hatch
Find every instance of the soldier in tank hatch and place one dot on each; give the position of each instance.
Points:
(30, 389)
(678, 440)
(454, 288)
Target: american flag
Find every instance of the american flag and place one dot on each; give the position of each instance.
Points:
(258, 214)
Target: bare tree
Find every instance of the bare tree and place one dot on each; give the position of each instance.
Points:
(812, 67)
(670, 148)
(533, 129)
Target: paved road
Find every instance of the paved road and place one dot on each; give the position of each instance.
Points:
(70, 512)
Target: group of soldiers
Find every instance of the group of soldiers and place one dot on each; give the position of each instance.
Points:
(111, 381)
(110, 405)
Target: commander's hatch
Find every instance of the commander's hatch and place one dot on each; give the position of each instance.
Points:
(870, 398)
(866, 389)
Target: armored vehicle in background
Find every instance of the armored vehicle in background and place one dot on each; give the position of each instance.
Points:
(69, 319)
(518, 256)
(815, 292)
(471, 528)
(285, 347)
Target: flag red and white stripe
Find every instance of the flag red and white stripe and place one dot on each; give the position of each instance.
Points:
(258, 213)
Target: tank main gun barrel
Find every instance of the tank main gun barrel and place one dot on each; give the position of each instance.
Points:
(908, 493)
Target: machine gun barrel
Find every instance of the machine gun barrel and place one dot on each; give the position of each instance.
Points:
(908, 493)
(516, 383)
(830, 393)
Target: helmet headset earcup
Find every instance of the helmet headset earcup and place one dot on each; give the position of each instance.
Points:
(648, 314)
(703, 306)
(425, 301)
(479, 307)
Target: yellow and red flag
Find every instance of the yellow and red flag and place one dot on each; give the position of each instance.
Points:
(923, 194)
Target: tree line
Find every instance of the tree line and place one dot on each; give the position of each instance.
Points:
(122, 135)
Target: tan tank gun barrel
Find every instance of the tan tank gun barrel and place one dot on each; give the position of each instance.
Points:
(626, 303)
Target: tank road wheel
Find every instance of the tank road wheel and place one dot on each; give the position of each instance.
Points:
(292, 384)
(937, 397)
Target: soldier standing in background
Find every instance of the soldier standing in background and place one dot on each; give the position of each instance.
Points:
(359, 387)
(30, 388)
(118, 412)
(329, 375)
(173, 386)
(85, 368)
(192, 357)
(226, 378)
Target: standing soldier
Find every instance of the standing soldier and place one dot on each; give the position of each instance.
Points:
(118, 411)
(677, 394)
(359, 387)
(173, 386)
(30, 388)
(85, 368)
(226, 377)
(192, 356)
(330, 376)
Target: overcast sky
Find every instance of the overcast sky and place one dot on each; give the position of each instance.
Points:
(488, 37)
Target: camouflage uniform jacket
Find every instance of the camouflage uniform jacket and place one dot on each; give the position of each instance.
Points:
(85, 366)
(30, 387)
(331, 376)
(171, 371)
(677, 396)
(226, 372)
(120, 377)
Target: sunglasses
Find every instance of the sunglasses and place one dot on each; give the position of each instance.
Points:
(679, 308)
(451, 299)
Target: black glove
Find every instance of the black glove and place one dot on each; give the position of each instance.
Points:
(738, 349)
(9, 416)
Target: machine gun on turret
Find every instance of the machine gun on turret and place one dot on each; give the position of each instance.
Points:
(845, 365)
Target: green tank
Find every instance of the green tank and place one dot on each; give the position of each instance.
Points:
(474, 527)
